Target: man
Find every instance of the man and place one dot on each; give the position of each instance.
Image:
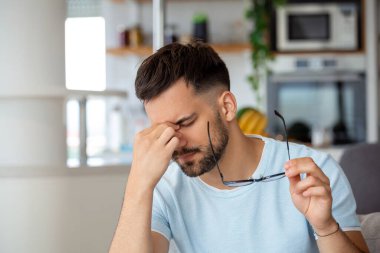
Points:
(186, 94)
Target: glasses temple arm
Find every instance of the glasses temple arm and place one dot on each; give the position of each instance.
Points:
(286, 130)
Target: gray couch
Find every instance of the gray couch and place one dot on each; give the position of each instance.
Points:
(361, 164)
(371, 230)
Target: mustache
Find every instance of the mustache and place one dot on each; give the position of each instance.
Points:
(185, 151)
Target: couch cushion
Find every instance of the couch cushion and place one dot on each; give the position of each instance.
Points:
(370, 224)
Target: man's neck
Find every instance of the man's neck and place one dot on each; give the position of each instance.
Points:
(240, 160)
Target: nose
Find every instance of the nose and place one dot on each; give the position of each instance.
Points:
(182, 140)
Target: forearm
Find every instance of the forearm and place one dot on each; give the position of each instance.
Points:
(338, 242)
(133, 233)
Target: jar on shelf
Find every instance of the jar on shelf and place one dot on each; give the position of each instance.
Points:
(170, 34)
(200, 30)
(123, 33)
(135, 36)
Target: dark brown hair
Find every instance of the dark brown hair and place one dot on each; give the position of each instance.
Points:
(197, 63)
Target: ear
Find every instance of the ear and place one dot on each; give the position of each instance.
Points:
(227, 103)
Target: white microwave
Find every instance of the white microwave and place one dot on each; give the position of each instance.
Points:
(317, 27)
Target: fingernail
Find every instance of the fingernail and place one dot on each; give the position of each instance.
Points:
(288, 172)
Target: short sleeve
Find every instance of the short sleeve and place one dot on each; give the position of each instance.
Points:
(344, 205)
(160, 223)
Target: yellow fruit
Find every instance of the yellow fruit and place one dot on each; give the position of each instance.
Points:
(245, 118)
(252, 124)
(261, 125)
(252, 121)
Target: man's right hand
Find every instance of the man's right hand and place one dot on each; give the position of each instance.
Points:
(152, 151)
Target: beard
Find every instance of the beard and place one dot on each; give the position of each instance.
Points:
(207, 162)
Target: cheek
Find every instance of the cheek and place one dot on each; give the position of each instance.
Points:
(194, 136)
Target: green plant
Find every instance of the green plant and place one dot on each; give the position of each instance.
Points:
(199, 18)
(259, 13)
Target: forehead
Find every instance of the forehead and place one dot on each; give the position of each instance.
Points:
(176, 102)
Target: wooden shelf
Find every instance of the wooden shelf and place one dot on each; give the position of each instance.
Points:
(147, 50)
(326, 52)
(180, 1)
(231, 48)
(122, 51)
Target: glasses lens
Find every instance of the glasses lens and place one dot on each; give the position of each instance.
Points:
(237, 183)
(273, 178)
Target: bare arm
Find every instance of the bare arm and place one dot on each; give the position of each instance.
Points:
(153, 149)
(133, 233)
(350, 241)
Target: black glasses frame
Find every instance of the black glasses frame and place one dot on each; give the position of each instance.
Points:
(249, 181)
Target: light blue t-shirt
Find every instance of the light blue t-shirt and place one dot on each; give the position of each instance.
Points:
(259, 217)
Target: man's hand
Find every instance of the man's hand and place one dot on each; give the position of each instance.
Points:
(152, 151)
(312, 195)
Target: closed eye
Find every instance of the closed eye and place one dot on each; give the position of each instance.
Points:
(187, 123)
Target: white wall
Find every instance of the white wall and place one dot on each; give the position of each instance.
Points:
(74, 211)
(32, 131)
(32, 81)
(373, 123)
(32, 45)
(44, 206)
(378, 67)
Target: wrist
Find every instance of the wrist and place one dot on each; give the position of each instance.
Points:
(139, 185)
(329, 228)
(137, 179)
(138, 192)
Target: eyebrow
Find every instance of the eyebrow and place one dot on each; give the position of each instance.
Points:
(185, 118)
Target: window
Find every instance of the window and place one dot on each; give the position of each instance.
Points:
(101, 123)
(85, 53)
(85, 70)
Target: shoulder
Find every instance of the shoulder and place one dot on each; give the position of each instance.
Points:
(324, 161)
(296, 150)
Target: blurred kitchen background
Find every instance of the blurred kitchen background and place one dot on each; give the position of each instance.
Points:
(68, 114)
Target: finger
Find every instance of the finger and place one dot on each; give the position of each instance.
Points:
(293, 180)
(308, 182)
(157, 130)
(172, 144)
(148, 130)
(305, 165)
(318, 191)
(166, 135)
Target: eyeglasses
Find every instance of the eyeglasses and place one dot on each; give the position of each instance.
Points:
(249, 181)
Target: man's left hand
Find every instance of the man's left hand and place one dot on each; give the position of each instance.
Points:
(311, 195)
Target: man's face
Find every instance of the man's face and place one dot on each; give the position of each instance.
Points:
(179, 105)
(206, 162)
